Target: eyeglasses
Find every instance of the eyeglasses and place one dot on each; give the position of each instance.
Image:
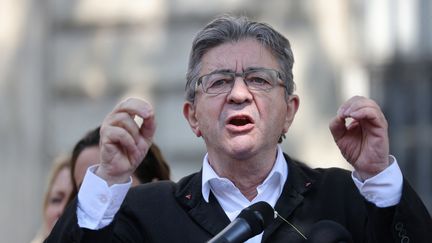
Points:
(257, 79)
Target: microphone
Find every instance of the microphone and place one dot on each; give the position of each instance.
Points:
(327, 231)
(250, 222)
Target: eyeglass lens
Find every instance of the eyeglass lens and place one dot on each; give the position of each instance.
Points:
(222, 82)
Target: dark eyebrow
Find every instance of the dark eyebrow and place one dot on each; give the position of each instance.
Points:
(253, 69)
(232, 71)
(221, 71)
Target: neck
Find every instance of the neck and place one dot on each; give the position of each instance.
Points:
(246, 174)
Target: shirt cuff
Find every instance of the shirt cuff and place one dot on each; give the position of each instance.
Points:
(97, 202)
(385, 188)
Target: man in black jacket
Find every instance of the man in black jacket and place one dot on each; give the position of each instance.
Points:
(239, 99)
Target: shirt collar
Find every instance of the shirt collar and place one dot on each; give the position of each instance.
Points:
(279, 170)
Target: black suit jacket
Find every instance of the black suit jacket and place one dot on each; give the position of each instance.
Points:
(177, 212)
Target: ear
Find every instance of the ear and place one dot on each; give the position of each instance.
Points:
(189, 112)
(293, 103)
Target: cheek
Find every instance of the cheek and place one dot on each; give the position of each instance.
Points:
(267, 108)
(275, 113)
(209, 115)
(51, 215)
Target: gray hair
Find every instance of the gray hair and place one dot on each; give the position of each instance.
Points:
(231, 29)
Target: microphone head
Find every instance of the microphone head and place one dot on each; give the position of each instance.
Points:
(328, 231)
(259, 215)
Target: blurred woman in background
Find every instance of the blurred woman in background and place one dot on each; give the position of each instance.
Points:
(86, 153)
(57, 195)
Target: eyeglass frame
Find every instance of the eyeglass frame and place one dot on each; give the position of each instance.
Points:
(243, 76)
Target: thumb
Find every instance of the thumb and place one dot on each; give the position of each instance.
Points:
(337, 128)
(148, 128)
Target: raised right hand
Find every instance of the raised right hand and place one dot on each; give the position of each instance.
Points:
(123, 144)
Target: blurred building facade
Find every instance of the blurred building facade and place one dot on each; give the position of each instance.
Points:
(65, 64)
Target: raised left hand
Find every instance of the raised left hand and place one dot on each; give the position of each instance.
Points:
(364, 142)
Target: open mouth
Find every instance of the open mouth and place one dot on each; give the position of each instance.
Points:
(240, 120)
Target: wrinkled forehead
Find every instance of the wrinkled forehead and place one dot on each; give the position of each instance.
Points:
(237, 57)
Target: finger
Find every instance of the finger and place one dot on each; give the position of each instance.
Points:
(356, 103)
(120, 137)
(347, 104)
(125, 121)
(371, 115)
(143, 145)
(337, 128)
(148, 128)
(135, 106)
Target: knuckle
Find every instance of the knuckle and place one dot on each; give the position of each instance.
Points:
(128, 100)
(122, 116)
(125, 103)
(103, 129)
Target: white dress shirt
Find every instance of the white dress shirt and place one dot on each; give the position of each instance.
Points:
(233, 201)
(98, 203)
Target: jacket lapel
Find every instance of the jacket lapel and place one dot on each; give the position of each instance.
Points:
(209, 216)
(292, 195)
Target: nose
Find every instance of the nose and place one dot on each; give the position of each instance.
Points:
(239, 93)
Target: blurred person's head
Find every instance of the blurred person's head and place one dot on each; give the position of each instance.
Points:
(58, 192)
(153, 167)
(86, 153)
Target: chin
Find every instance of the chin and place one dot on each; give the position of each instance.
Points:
(242, 149)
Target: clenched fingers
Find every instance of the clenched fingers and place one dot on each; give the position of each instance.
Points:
(121, 138)
(124, 113)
